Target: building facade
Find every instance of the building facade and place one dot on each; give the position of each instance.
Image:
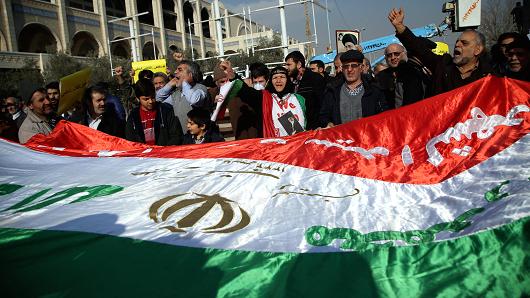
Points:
(91, 27)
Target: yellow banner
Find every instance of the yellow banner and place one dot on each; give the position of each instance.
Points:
(153, 65)
(72, 88)
(441, 48)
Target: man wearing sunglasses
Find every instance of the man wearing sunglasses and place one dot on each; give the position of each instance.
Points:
(402, 82)
(351, 97)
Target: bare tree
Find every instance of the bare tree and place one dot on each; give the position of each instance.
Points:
(496, 19)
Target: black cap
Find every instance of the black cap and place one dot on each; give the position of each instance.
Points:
(349, 38)
(351, 55)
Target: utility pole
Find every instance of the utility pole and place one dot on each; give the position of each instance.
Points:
(219, 30)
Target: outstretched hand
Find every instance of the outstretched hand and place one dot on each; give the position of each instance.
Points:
(396, 18)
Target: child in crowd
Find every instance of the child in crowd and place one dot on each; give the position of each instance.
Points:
(201, 129)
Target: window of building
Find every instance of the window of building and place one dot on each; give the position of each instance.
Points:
(115, 8)
(144, 6)
(170, 17)
(81, 4)
(188, 17)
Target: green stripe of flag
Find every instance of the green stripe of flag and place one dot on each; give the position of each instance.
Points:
(37, 263)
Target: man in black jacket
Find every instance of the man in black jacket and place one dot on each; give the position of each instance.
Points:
(308, 84)
(351, 97)
(153, 122)
(96, 113)
(467, 65)
(402, 82)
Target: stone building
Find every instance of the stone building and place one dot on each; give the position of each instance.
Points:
(82, 27)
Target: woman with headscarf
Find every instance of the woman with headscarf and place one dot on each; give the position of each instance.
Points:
(281, 112)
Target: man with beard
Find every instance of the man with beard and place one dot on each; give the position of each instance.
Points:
(38, 116)
(467, 65)
(308, 84)
(54, 95)
(184, 91)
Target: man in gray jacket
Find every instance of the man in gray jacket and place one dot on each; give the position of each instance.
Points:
(184, 92)
(38, 116)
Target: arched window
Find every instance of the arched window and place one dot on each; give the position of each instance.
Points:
(121, 48)
(84, 44)
(148, 51)
(37, 38)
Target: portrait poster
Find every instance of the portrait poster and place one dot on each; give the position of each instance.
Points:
(347, 40)
(290, 123)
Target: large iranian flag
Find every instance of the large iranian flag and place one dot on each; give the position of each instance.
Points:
(432, 199)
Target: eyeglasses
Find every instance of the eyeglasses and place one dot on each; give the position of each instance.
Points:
(389, 55)
(350, 65)
(519, 54)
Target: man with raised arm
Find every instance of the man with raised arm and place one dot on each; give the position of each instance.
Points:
(184, 91)
(467, 64)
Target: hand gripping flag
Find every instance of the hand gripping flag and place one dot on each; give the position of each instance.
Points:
(432, 199)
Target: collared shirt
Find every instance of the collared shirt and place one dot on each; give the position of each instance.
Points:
(16, 115)
(94, 123)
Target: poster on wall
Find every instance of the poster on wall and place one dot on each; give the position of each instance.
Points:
(347, 40)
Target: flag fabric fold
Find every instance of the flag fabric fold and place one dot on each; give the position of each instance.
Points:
(430, 199)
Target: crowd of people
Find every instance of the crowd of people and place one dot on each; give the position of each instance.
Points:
(176, 108)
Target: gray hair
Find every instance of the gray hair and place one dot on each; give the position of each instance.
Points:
(194, 69)
(479, 37)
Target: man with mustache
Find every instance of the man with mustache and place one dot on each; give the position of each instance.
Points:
(467, 64)
(38, 116)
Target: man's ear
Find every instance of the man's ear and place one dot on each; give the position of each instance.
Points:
(478, 50)
(203, 127)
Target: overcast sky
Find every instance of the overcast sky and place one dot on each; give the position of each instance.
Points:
(347, 14)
